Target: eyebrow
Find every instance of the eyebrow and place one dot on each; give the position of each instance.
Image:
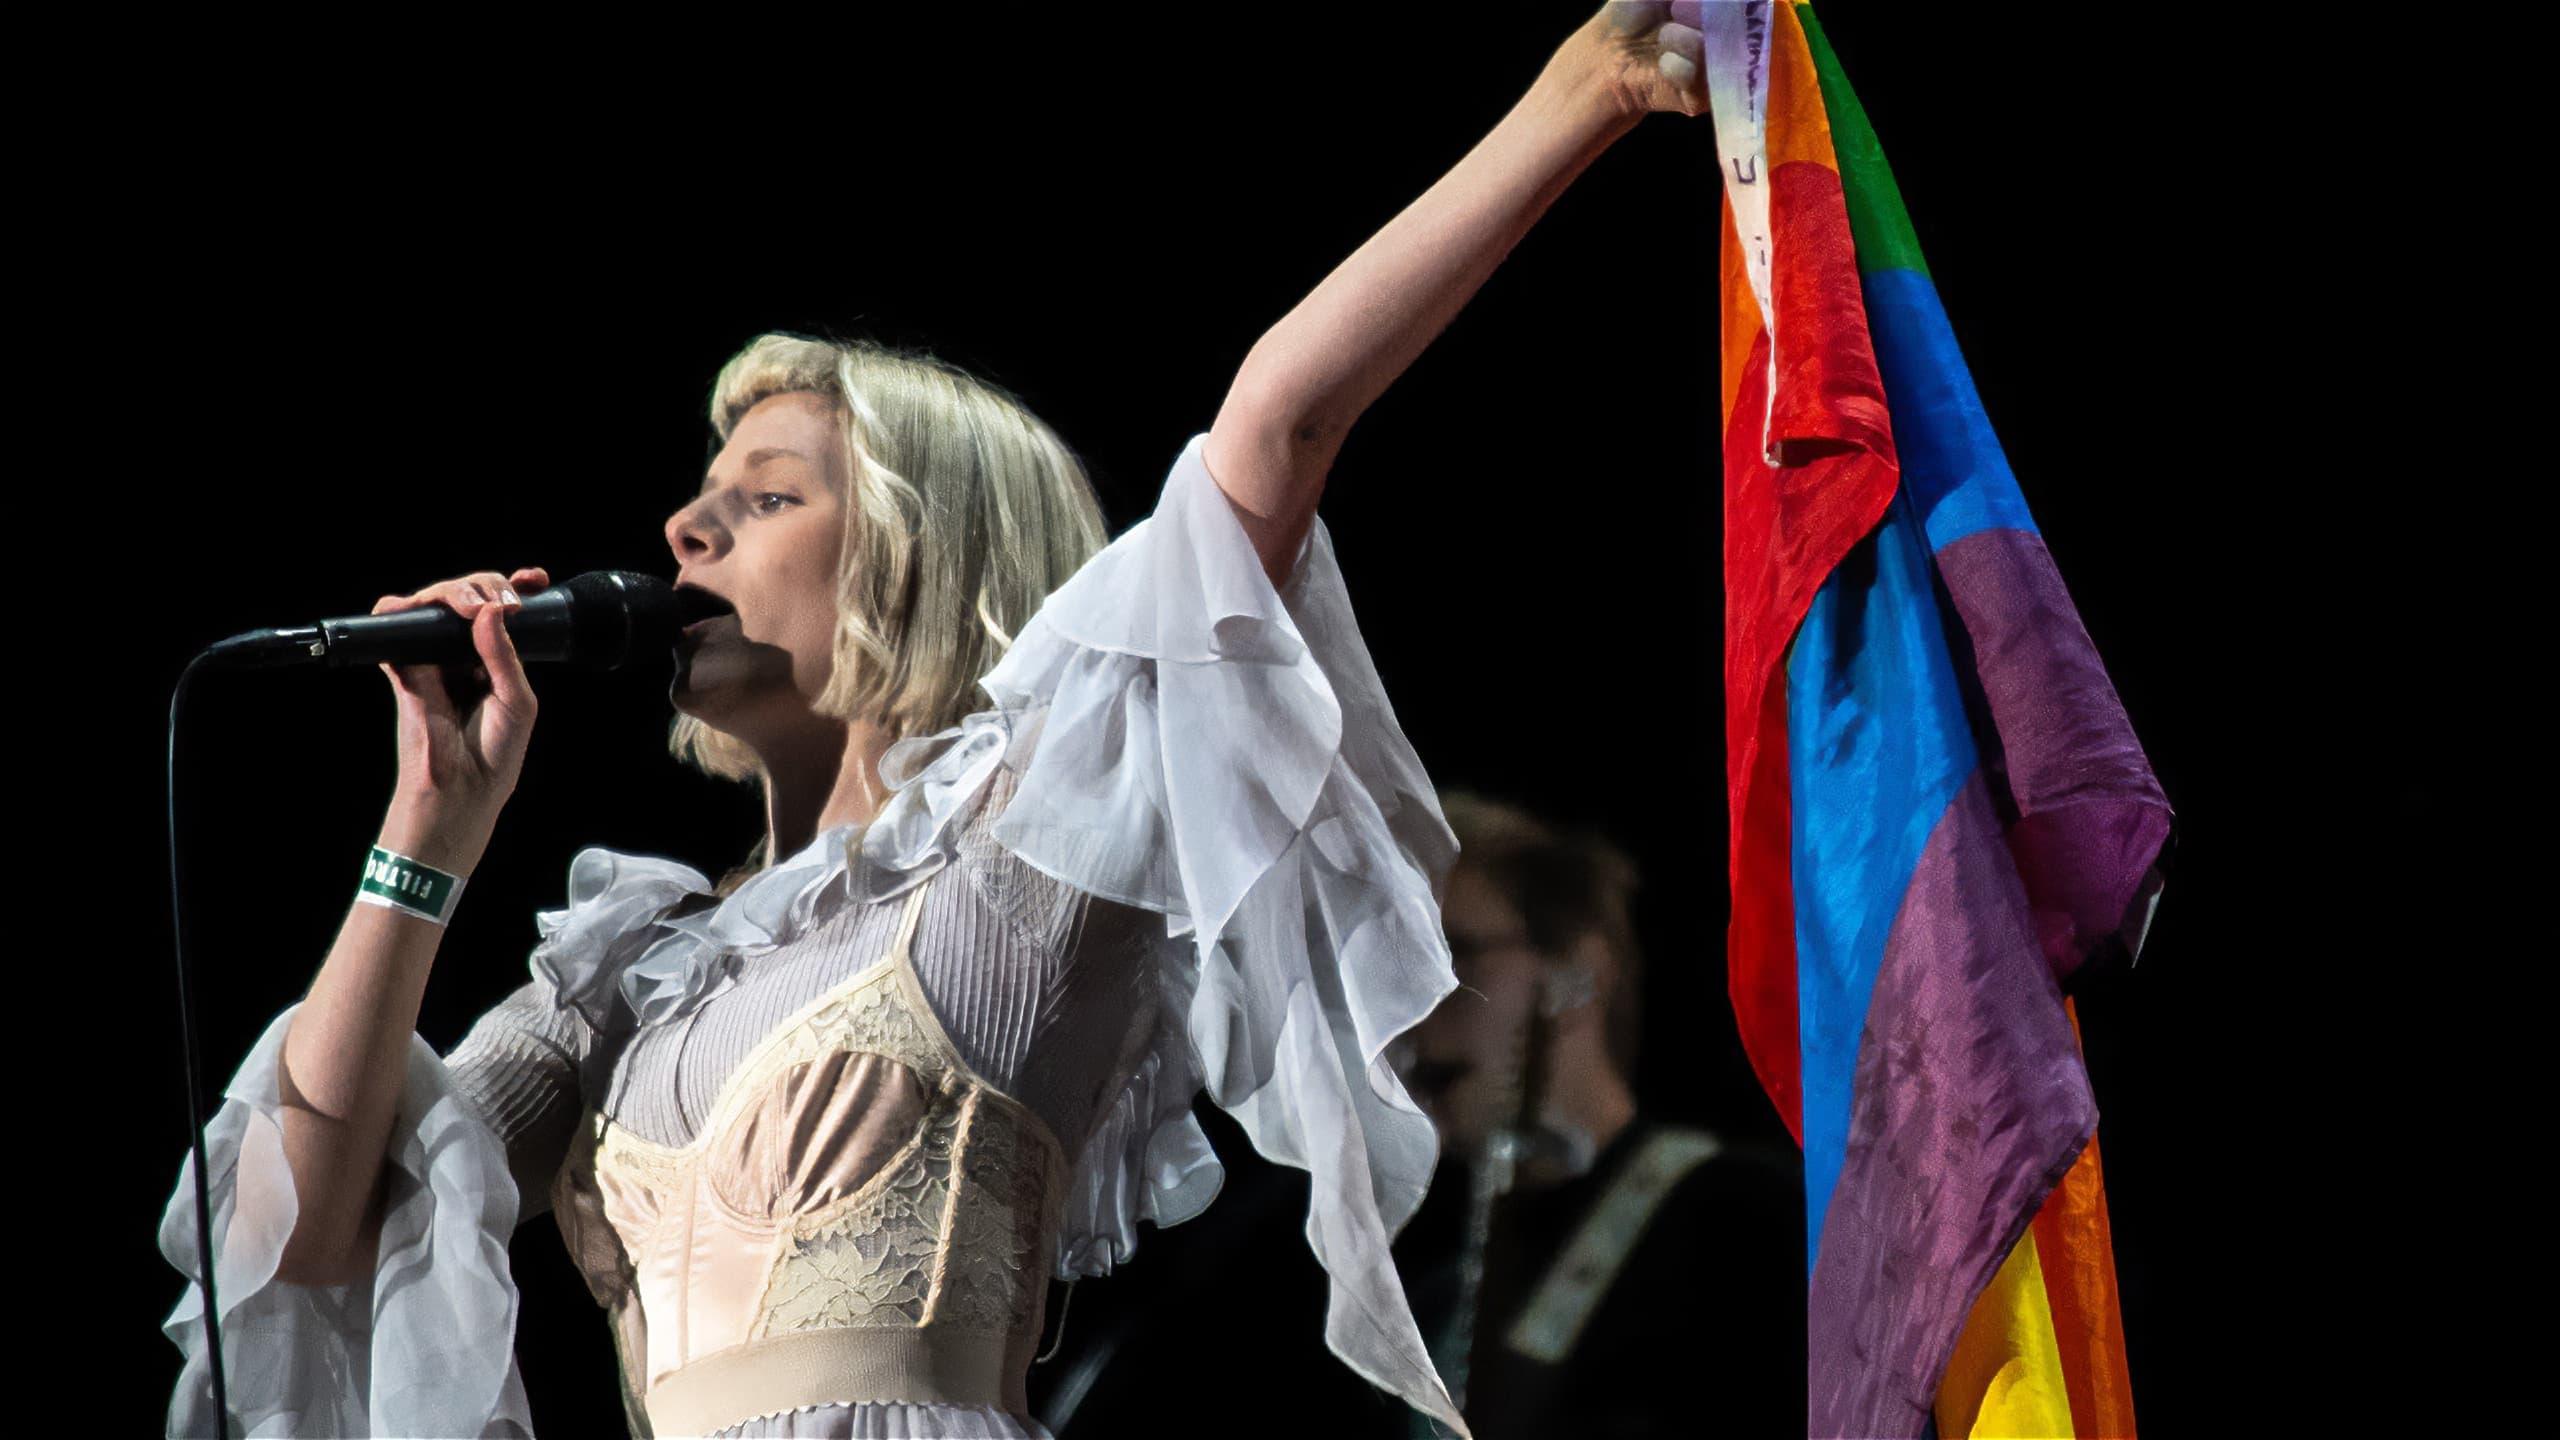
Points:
(754, 459)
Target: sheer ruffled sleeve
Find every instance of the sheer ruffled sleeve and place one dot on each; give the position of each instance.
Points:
(426, 1344)
(1222, 753)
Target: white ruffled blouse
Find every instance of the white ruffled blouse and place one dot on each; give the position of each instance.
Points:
(1170, 734)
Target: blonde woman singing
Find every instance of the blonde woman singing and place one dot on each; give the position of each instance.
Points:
(819, 1134)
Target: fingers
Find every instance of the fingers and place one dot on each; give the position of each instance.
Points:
(421, 683)
(467, 593)
(506, 678)
(1679, 69)
(1673, 31)
(481, 588)
(467, 596)
(1686, 41)
(1634, 17)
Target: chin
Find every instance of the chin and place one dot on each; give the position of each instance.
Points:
(702, 686)
(744, 713)
(705, 704)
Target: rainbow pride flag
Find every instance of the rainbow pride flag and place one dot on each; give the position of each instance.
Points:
(1941, 818)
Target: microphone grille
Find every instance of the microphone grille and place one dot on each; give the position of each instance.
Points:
(617, 614)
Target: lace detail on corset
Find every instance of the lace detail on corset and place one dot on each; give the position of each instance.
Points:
(905, 1249)
(662, 1170)
(873, 1264)
(999, 1263)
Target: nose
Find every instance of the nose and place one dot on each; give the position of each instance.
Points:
(694, 535)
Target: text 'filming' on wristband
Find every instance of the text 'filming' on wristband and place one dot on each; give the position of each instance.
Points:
(399, 882)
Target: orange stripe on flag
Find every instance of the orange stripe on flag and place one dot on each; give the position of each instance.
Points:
(2043, 1351)
(1743, 321)
(2079, 1255)
(1798, 127)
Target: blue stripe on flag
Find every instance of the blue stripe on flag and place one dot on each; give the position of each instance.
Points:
(1877, 745)
(1952, 465)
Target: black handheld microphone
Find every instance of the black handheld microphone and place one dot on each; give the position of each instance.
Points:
(601, 619)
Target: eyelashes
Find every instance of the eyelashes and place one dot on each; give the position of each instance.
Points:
(756, 503)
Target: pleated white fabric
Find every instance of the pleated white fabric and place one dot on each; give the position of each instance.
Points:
(889, 1422)
(1182, 737)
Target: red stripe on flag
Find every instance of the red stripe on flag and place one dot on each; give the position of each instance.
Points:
(1785, 530)
(1760, 941)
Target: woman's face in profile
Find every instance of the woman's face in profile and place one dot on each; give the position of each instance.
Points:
(765, 534)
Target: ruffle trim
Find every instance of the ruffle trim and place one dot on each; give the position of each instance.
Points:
(616, 945)
(1221, 751)
(431, 1355)
(1147, 1159)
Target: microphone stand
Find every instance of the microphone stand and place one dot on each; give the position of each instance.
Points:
(1491, 1174)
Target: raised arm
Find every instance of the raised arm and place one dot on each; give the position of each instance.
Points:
(1316, 371)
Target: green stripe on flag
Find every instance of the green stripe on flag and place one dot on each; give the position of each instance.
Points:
(1878, 224)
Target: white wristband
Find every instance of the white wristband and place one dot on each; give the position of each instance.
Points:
(397, 882)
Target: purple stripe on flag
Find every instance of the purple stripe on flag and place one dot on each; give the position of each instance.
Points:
(2091, 816)
(1969, 1104)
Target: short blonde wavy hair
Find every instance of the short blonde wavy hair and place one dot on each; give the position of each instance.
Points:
(966, 510)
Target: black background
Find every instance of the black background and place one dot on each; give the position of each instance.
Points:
(430, 300)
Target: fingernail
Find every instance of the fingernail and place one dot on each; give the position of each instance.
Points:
(507, 595)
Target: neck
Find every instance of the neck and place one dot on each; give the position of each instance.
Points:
(832, 779)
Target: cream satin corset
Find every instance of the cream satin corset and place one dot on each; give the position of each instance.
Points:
(863, 1218)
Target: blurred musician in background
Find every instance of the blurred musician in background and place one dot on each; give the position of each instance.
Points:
(1579, 1266)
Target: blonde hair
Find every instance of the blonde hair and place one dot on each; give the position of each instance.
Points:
(964, 511)
(1566, 883)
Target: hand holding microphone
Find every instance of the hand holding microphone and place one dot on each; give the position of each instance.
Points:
(463, 730)
(455, 654)
(603, 618)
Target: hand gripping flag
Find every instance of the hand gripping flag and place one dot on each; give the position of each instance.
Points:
(1941, 818)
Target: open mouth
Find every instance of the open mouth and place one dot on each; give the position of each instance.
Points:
(702, 609)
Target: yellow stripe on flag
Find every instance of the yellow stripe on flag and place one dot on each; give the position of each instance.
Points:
(2006, 1376)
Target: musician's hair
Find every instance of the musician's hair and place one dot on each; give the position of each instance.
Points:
(965, 511)
(1566, 882)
